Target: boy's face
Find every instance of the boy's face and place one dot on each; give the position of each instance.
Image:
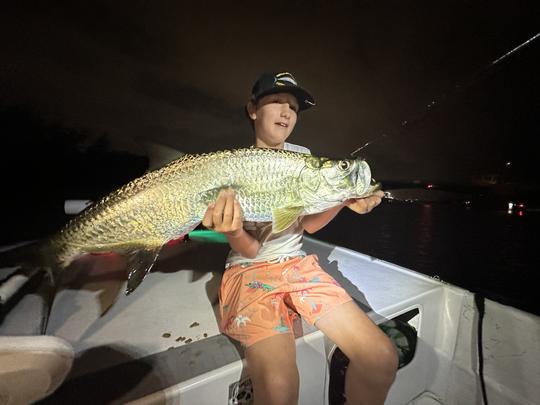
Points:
(274, 118)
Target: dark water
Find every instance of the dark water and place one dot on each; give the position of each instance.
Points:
(490, 252)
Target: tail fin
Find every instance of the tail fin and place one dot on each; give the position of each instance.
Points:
(20, 264)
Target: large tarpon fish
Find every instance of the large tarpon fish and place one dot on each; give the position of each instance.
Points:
(165, 204)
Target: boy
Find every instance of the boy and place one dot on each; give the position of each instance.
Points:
(266, 281)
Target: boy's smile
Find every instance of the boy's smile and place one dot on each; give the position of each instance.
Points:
(274, 119)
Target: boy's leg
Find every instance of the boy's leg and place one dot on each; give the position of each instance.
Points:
(373, 358)
(272, 367)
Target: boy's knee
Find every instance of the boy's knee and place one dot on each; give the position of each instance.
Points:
(278, 388)
(389, 359)
(382, 362)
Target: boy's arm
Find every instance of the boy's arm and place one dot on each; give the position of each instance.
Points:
(225, 216)
(244, 244)
(313, 223)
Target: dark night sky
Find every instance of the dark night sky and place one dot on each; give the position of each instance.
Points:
(179, 75)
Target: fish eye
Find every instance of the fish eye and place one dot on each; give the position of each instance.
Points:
(344, 165)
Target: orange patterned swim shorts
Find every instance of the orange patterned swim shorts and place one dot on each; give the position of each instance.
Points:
(262, 300)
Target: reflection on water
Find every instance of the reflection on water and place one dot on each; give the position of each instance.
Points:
(489, 252)
(425, 236)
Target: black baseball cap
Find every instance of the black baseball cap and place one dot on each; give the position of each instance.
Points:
(281, 82)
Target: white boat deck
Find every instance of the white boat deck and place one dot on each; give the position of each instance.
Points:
(171, 320)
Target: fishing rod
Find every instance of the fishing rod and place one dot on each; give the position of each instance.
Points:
(406, 124)
(458, 86)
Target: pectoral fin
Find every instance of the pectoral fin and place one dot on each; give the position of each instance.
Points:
(140, 262)
(282, 218)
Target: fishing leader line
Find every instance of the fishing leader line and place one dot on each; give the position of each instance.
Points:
(458, 86)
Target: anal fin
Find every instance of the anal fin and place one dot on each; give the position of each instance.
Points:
(139, 264)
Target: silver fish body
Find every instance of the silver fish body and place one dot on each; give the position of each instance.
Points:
(270, 185)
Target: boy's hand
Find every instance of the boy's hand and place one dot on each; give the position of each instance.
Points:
(366, 204)
(225, 215)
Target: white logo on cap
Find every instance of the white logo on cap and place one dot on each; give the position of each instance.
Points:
(285, 77)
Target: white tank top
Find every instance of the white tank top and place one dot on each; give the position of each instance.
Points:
(275, 247)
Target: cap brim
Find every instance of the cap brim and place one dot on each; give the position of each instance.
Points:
(305, 100)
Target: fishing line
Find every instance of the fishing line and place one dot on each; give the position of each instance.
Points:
(458, 86)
